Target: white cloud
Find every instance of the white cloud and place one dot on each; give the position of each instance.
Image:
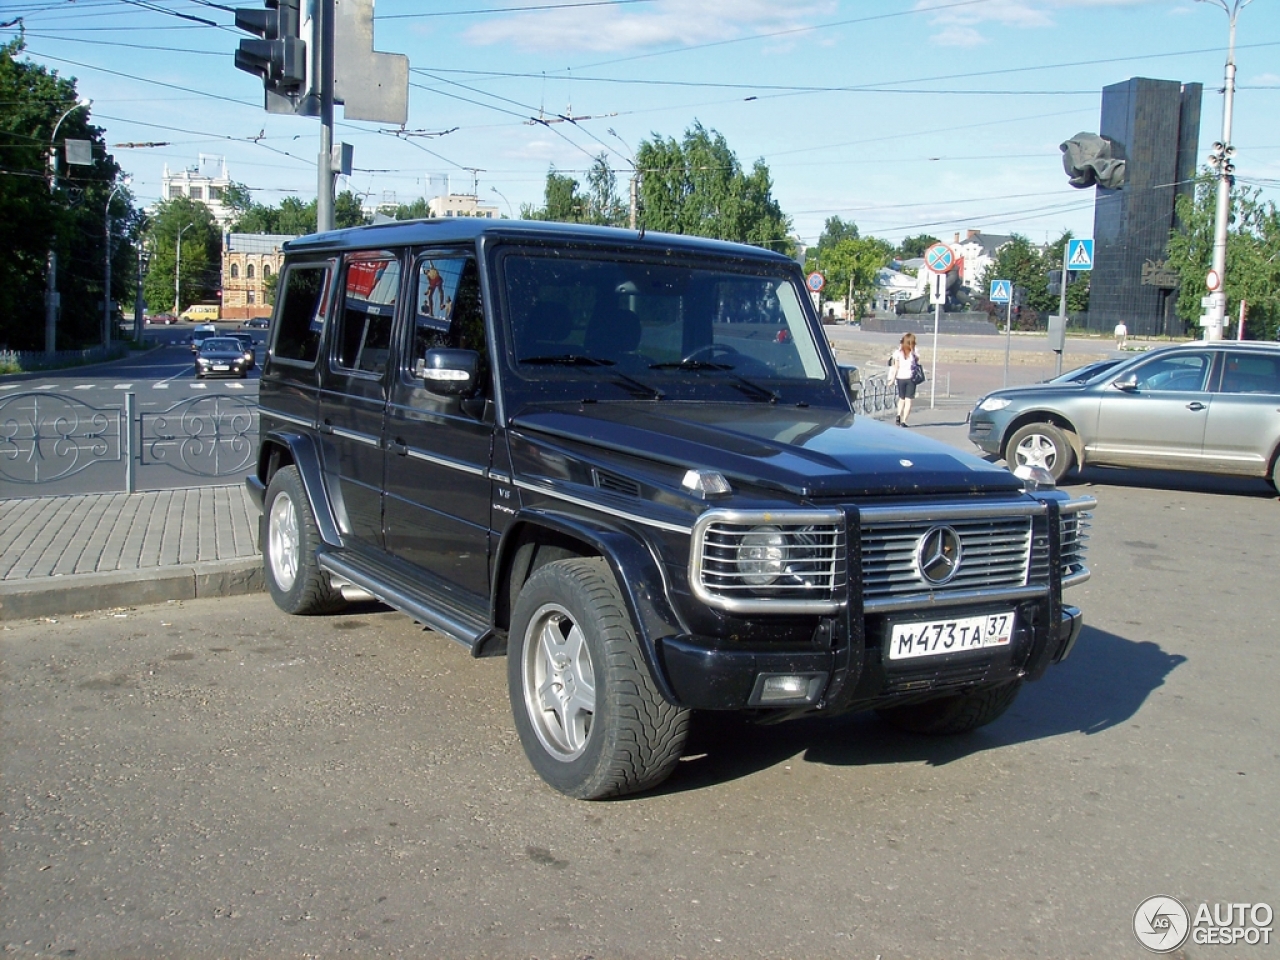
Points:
(618, 29)
(960, 25)
(958, 36)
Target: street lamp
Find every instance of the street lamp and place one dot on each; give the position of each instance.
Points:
(106, 284)
(51, 291)
(510, 213)
(1220, 160)
(177, 270)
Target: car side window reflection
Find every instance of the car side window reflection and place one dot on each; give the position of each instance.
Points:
(1184, 372)
(448, 308)
(1245, 373)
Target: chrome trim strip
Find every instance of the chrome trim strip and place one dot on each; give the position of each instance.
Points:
(289, 418)
(366, 439)
(499, 477)
(1080, 503)
(417, 454)
(610, 511)
(918, 601)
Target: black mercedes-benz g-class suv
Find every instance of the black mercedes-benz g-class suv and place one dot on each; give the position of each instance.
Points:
(630, 463)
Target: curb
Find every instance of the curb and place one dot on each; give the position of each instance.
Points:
(86, 592)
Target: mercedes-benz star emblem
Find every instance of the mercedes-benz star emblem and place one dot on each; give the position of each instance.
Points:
(938, 555)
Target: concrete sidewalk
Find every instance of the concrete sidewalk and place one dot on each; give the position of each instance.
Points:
(71, 554)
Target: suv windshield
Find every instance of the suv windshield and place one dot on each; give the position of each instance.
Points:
(595, 325)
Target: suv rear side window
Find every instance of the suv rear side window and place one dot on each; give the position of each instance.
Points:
(369, 296)
(301, 318)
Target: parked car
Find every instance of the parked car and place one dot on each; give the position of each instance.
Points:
(221, 356)
(250, 347)
(1204, 407)
(259, 323)
(611, 469)
(165, 319)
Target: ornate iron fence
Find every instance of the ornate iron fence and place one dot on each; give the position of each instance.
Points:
(877, 395)
(47, 437)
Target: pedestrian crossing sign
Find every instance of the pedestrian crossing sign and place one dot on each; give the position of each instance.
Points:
(1080, 254)
(1001, 291)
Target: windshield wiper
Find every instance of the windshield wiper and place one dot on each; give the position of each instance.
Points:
(748, 387)
(582, 360)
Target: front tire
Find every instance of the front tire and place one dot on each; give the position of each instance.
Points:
(590, 718)
(294, 579)
(1040, 445)
(955, 713)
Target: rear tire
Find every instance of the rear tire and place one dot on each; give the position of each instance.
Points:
(1275, 474)
(294, 579)
(954, 713)
(590, 718)
(1040, 445)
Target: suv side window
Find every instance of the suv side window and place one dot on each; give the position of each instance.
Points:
(369, 294)
(301, 317)
(1247, 373)
(448, 309)
(1185, 371)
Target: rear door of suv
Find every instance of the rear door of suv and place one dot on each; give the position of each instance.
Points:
(353, 391)
(437, 505)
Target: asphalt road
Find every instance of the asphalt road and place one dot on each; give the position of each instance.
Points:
(216, 779)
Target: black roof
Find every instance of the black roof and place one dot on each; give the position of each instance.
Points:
(470, 229)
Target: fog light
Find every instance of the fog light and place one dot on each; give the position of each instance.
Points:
(780, 688)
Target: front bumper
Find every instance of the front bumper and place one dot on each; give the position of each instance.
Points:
(709, 674)
(984, 433)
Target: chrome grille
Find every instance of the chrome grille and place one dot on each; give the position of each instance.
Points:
(996, 552)
(810, 556)
(1075, 525)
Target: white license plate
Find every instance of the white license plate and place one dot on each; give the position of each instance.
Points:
(221, 366)
(933, 638)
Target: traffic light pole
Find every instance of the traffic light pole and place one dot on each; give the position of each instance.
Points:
(1062, 302)
(324, 162)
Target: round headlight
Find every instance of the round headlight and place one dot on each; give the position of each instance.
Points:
(994, 403)
(762, 555)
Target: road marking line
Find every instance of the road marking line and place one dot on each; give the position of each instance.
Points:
(83, 386)
(160, 386)
(199, 386)
(124, 386)
(47, 386)
(9, 386)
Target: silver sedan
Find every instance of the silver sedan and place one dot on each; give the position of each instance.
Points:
(1204, 407)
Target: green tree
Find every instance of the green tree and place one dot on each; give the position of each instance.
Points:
(1023, 265)
(201, 274)
(1253, 256)
(697, 186)
(560, 201)
(72, 217)
(912, 248)
(348, 211)
(417, 210)
(852, 267)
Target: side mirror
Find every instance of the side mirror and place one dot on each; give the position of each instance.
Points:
(852, 380)
(1127, 383)
(450, 373)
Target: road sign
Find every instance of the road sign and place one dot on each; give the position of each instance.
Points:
(1080, 254)
(938, 288)
(939, 258)
(1213, 281)
(1001, 291)
(815, 282)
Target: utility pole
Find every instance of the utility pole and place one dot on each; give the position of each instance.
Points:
(324, 162)
(51, 303)
(106, 283)
(1220, 159)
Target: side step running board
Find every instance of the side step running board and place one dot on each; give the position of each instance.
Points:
(454, 623)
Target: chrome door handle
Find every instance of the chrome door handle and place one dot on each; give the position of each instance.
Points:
(1195, 405)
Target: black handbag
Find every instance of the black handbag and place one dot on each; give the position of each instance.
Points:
(917, 371)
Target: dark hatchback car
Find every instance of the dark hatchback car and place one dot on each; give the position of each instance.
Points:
(591, 451)
(1202, 407)
(250, 347)
(221, 357)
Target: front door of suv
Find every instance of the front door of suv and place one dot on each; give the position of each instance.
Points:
(438, 448)
(353, 392)
(1160, 420)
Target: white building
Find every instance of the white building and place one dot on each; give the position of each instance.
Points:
(461, 205)
(978, 251)
(207, 182)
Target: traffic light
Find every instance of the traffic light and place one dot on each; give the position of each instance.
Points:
(280, 57)
(1055, 282)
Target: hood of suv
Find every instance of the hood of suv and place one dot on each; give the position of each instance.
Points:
(809, 452)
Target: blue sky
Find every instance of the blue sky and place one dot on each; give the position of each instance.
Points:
(904, 116)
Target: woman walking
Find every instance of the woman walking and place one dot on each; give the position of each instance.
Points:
(902, 370)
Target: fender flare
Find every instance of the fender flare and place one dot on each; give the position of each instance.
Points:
(631, 560)
(303, 454)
